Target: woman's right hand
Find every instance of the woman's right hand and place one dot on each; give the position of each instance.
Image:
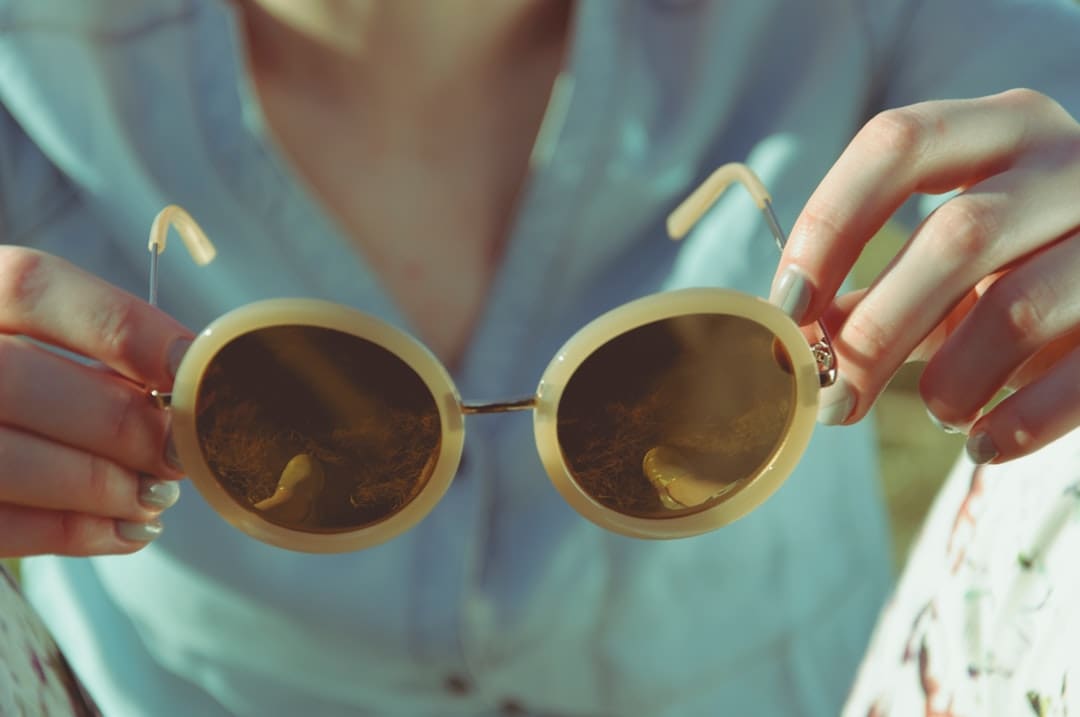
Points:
(84, 457)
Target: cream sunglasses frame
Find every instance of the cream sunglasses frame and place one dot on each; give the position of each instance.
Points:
(812, 367)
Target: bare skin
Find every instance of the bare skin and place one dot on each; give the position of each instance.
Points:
(391, 112)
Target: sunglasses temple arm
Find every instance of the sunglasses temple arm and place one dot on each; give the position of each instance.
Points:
(153, 291)
(687, 214)
(822, 349)
(199, 246)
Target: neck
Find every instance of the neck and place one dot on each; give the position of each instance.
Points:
(335, 45)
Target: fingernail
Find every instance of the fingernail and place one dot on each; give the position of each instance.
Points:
(837, 402)
(158, 494)
(980, 448)
(139, 532)
(171, 456)
(940, 424)
(176, 355)
(792, 293)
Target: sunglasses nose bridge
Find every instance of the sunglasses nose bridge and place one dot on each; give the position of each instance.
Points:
(521, 404)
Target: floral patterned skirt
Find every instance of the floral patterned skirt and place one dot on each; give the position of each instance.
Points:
(35, 680)
(986, 618)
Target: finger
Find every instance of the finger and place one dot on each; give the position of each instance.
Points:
(837, 402)
(49, 299)
(33, 531)
(1021, 313)
(992, 225)
(837, 313)
(930, 148)
(81, 406)
(1031, 418)
(40, 474)
(1039, 364)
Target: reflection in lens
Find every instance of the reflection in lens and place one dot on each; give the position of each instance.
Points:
(315, 429)
(675, 416)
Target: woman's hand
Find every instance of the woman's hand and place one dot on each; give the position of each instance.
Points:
(83, 467)
(987, 289)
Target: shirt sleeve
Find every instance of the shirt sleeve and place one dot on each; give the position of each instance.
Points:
(940, 49)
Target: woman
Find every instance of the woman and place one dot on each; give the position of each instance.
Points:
(424, 162)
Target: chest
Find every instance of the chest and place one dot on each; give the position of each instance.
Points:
(427, 204)
(432, 231)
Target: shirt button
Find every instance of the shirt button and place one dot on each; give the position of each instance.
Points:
(511, 708)
(457, 685)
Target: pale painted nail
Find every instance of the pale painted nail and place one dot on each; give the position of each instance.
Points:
(139, 532)
(837, 403)
(980, 448)
(954, 428)
(792, 293)
(941, 424)
(158, 494)
(176, 355)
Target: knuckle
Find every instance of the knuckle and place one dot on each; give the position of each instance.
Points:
(867, 338)
(23, 278)
(819, 219)
(1027, 97)
(900, 132)
(1043, 117)
(1020, 432)
(98, 484)
(123, 418)
(1019, 312)
(117, 327)
(1043, 109)
(76, 533)
(966, 229)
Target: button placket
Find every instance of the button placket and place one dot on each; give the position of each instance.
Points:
(511, 707)
(457, 684)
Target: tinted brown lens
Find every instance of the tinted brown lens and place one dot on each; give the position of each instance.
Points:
(675, 416)
(316, 430)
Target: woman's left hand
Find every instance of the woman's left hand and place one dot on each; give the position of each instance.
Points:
(987, 289)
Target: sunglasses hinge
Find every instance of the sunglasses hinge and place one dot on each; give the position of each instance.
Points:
(161, 399)
(825, 357)
(521, 404)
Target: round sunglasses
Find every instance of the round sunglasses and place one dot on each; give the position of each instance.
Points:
(315, 427)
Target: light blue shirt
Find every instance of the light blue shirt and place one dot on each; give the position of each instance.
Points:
(112, 109)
